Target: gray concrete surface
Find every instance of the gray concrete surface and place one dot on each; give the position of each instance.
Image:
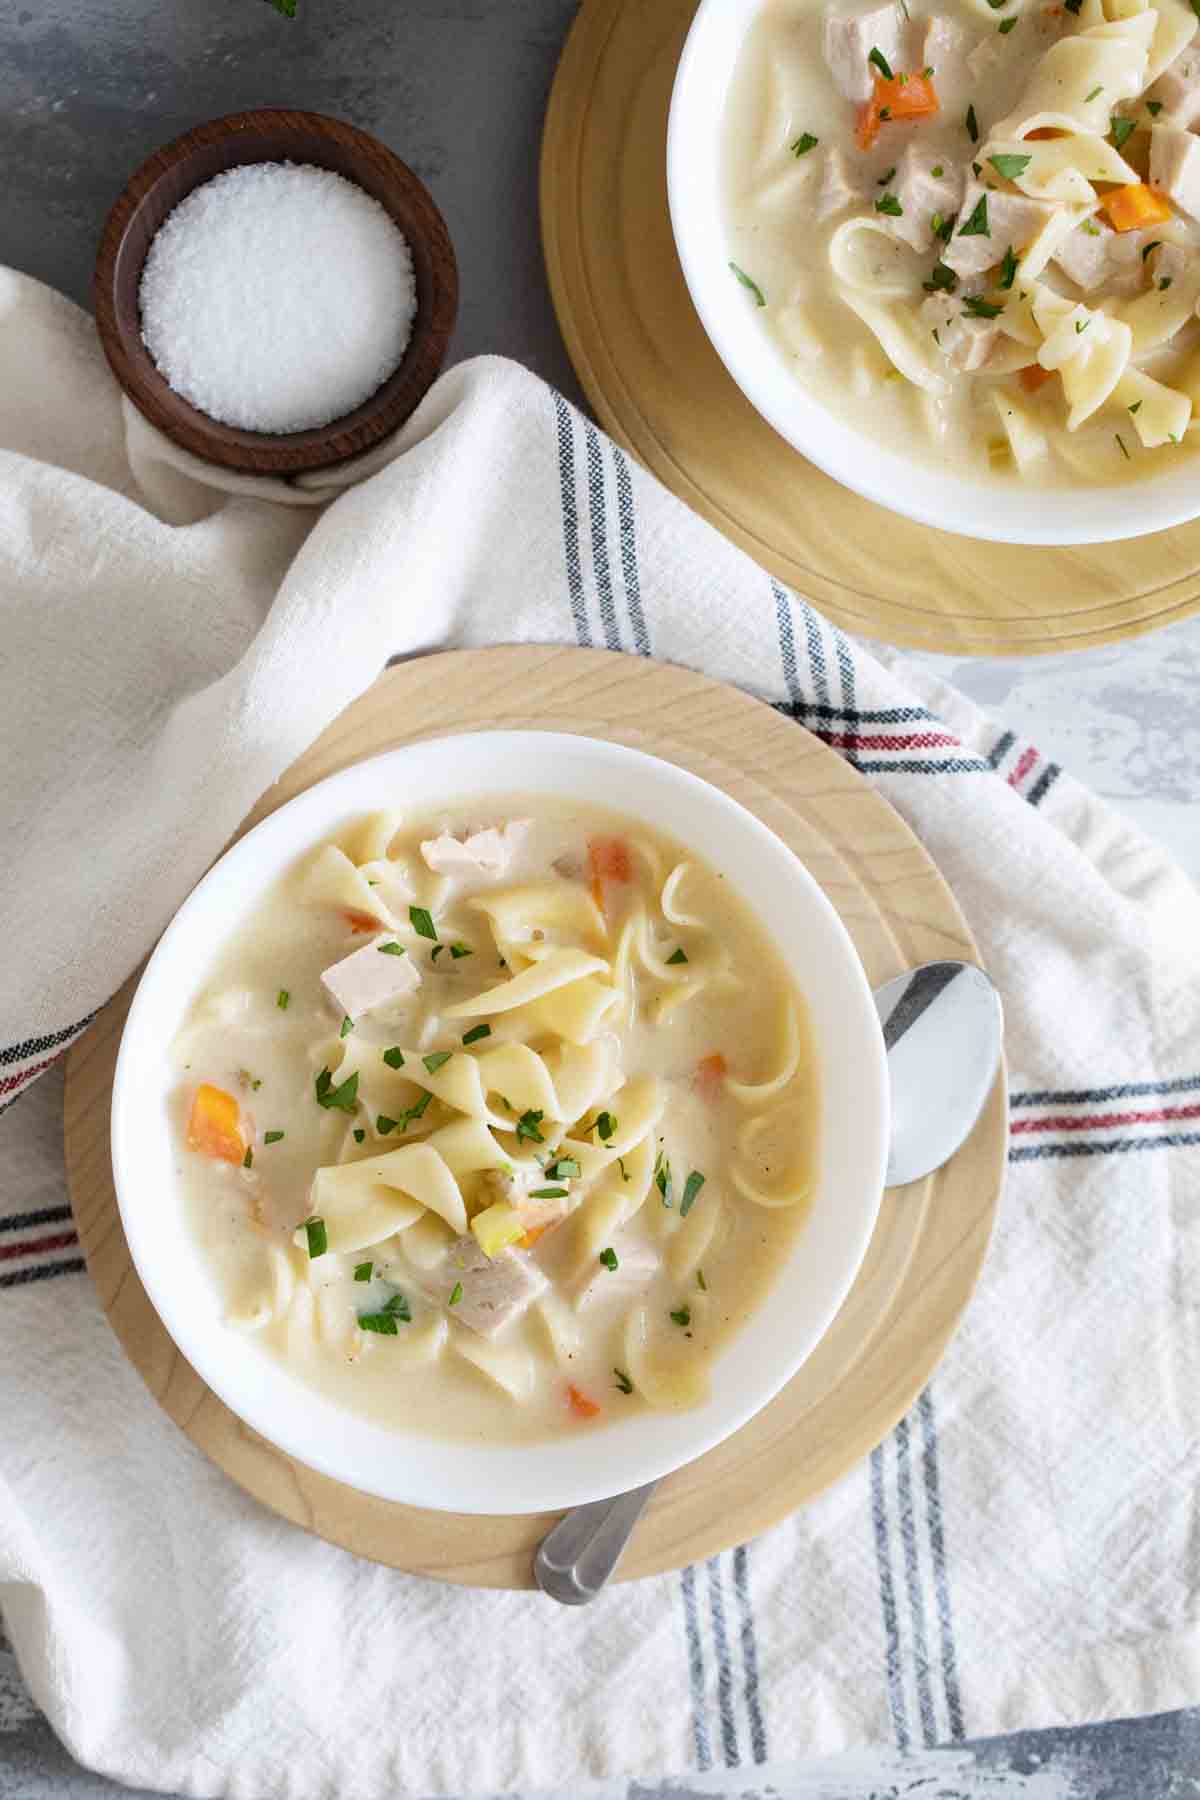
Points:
(457, 87)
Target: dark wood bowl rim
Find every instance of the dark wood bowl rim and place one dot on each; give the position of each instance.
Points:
(162, 181)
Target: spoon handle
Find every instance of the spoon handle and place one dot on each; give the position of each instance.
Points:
(577, 1558)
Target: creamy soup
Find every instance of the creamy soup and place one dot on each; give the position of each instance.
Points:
(497, 1125)
(973, 230)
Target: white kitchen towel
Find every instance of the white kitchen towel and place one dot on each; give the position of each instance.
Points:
(1023, 1549)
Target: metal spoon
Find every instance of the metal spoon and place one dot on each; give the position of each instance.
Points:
(942, 1029)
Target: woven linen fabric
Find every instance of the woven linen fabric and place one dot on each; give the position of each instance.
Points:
(1023, 1548)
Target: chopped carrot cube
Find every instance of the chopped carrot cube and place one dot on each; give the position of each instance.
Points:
(903, 97)
(710, 1075)
(610, 860)
(362, 921)
(580, 1404)
(1135, 205)
(1033, 376)
(1044, 131)
(532, 1235)
(214, 1127)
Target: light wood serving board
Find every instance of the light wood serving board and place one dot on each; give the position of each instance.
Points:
(927, 1250)
(658, 386)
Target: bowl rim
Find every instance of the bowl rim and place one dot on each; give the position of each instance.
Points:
(435, 265)
(934, 496)
(195, 1336)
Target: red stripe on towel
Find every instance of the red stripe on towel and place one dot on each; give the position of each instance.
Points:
(1103, 1121)
(36, 1246)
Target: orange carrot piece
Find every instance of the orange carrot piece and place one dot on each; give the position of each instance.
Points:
(610, 860)
(1033, 376)
(1135, 205)
(362, 921)
(214, 1127)
(710, 1075)
(532, 1235)
(1044, 131)
(580, 1404)
(903, 97)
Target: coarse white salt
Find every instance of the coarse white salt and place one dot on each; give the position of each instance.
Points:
(277, 297)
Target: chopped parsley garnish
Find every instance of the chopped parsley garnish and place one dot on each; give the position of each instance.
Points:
(343, 1098)
(457, 950)
(804, 143)
(437, 951)
(247, 1080)
(391, 948)
(889, 204)
(415, 1111)
(1122, 129)
(609, 1258)
(563, 1168)
(927, 71)
(527, 1127)
(362, 1271)
(1149, 247)
(885, 112)
(317, 1237)
(623, 1169)
(382, 1322)
(476, 1033)
(399, 1308)
(359, 1134)
(941, 227)
(977, 172)
(623, 1381)
(347, 1027)
(283, 999)
(1135, 406)
(972, 123)
(700, 1281)
(937, 171)
(1010, 166)
(455, 1294)
(1153, 107)
(976, 308)
(1073, 6)
(881, 63)
(1091, 229)
(394, 1058)
(422, 923)
(941, 276)
(760, 299)
(682, 1316)
(662, 1177)
(977, 225)
(1005, 26)
(1121, 442)
(552, 1193)
(884, 179)
(436, 1058)
(273, 1137)
(677, 956)
(691, 1189)
(385, 1126)
(1088, 98)
(1165, 283)
(248, 1159)
(1008, 268)
(605, 1126)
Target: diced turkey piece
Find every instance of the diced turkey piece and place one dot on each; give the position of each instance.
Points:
(850, 41)
(1175, 167)
(1012, 219)
(370, 978)
(921, 194)
(966, 343)
(1095, 257)
(837, 189)
(484, 852)
(495, 1289)
(637, 1263)
(945, 52)
(1177, 91)
(983, 58)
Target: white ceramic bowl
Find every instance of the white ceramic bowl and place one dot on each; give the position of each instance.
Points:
(406, 1466)
(1010, 512)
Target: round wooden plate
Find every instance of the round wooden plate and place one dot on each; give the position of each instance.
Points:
(927, 1250)
(658, 387)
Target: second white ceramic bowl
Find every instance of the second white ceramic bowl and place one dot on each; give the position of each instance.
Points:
(1010, 512)
(397, 1464)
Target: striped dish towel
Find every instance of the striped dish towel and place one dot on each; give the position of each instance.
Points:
(1023, 1547)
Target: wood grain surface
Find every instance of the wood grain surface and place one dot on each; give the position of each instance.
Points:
(927, 1250)
(273, 134)
(658, 386)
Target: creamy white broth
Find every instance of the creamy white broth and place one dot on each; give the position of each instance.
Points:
(910, 391)
(707, 1258)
